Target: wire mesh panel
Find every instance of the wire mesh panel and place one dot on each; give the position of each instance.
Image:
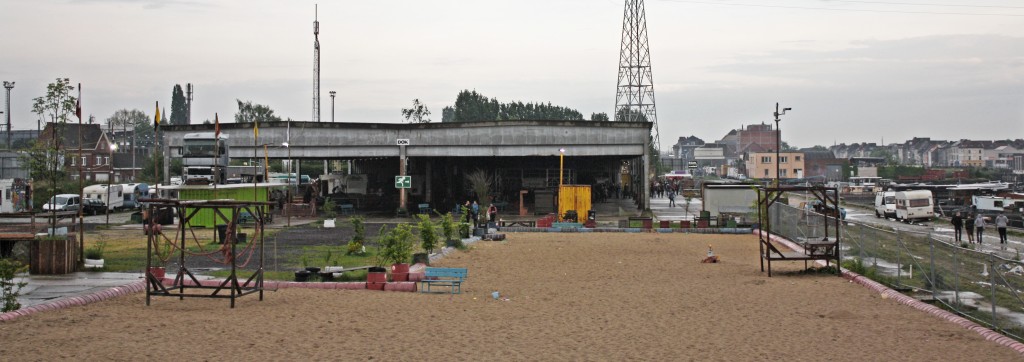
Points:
(980, 286)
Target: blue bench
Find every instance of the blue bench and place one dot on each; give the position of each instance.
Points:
(445, 277)
(424, 208)
(346, 209)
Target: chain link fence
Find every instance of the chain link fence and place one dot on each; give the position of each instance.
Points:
(983, 287)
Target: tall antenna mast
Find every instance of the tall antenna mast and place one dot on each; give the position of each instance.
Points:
(316, 66)
(634, 95)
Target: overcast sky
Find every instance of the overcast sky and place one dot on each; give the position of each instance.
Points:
(853, 71)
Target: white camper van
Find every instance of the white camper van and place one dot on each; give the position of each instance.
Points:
(114, 199)
(914, 205)
(885, 204)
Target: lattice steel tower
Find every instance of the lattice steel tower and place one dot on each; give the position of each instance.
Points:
(634, 95)
(316, 67)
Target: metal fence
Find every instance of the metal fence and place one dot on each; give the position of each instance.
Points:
(980, 286)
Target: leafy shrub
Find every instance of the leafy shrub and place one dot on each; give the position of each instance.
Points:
(329, 209)
(395, 245)
(428, 233)
(9, 289)
(355, 246)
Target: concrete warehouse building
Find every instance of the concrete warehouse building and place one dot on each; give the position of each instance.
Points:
(518, 155)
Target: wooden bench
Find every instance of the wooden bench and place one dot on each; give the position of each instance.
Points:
(445, 277)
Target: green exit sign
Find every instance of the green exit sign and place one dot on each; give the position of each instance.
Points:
(403, 182)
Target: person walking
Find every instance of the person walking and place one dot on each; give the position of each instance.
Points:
(969, 226)
(979, 225)
(958, 227)
(671, 198)
(1001, 226)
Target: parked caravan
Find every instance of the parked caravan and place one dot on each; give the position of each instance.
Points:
(885, 204)
(996, 204)
(914, 205)
(114, 199)
(132, 194)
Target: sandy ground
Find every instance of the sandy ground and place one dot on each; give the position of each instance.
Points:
(570, 296)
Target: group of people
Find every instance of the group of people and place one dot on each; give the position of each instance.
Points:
(975, 225)
(472, 212)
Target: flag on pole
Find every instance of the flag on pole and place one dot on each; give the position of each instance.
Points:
(216, 126)
(78, 103)
(156, 120)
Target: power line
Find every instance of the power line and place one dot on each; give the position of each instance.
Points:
(848, 10)
(930, 4)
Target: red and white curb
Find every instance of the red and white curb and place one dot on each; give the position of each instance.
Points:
(901, 298)
(133, 287)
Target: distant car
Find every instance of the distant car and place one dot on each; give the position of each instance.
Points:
(817, 206)
(62, 202)
(93, 206)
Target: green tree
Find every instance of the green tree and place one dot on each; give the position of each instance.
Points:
(448, 114)
(599, 117)
(250, 112)
(135, 127)
(155, 163)
(417, 114)
(179, 108)
(56, 105)
(473, 106)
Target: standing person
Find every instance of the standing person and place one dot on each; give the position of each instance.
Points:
(492, 214)
(969, 226)
(671, 198)
(475, 210)
(958, 227)
(979, 224)
(465, 209)
(1001, 226)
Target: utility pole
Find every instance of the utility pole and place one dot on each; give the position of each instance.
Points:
(188, 103)
(316, 67)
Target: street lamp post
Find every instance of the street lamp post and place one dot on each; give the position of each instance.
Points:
(561, 165)
(110, 178)
(8, 86)
(288, 201)
(332, 105)
(778, 140)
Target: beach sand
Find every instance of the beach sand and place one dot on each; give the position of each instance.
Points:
(593, 296)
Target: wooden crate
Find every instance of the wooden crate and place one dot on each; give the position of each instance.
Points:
(54, 256)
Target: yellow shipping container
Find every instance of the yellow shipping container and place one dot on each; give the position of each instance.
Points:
(574, 197)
